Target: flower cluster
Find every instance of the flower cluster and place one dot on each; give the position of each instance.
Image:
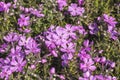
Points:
(74, 9)
(111, 24)
(53, 45)
(62, 40)
(24, 20)
(99, 77)
(87, 63)
(18, 48)
(33, 11)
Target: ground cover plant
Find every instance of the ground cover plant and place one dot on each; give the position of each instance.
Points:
(59, 40)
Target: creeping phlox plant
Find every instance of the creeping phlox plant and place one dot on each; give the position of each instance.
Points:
(59, 40)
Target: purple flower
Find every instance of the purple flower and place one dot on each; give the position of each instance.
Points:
(61, 4)
(50, 42)
(100, 51)
(65, 63)
(103, 60)
(11, 37)
(5, 70)
(80, 2)
(55, 37)
(23, 21)
(82, 78)
(15, 1)
(21, 8)
(1, 62)
(87, 65)
(62, 77)
(67, 56)
(14, 6)
(16, 51)
(68, 48)
(75, 10)
(87, 43)
(110, 29)
(31, 46)
(26, 30)
(3, 48)
(100, 77)
(97, 59)
(83, 55)
(32, 66)
(80, 29)
(43, 61)
(5, 73)
(93, 28)
(92, 77)
(26, 10)
(4, 6)
(22, 41)
(86, 74)
(70, 31)
(18, 63)
(54, 53)
(37, 13)
(52, 70)
(114, 35)
(33, 11)
(110, 20)
(110, 64)
(105, 77)
(6, 61)
(60, 36)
